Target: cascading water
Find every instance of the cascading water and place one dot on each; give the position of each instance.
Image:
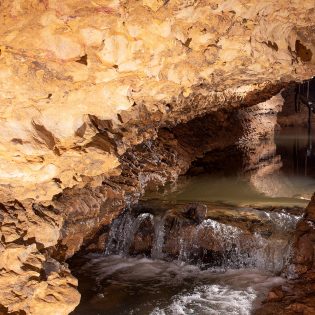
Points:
(122, 232)
(159, 233)
(168, 262)
(219, 268)
(228, 246)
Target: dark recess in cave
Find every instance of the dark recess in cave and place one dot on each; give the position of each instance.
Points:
(303, 52)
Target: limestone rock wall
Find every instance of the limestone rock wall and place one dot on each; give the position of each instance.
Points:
(55, 231)
(30, 281)
(65, 64)
(303, 261)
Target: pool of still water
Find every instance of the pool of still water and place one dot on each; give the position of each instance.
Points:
(287, 180)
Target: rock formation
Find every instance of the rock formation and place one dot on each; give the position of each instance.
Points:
(210, 234)
(73, 70)
(84, 88)
(297, 295)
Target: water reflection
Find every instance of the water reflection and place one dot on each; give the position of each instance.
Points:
(273, 172)
(296, 148)
(290, 172)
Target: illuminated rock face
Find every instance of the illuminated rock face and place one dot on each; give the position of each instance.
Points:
(30, 281)
(84, 82)
(64, 65)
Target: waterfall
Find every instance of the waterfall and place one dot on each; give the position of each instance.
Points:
(159, 233)
(240, 249)
(119, 235)
(210, 243)
(122, 232)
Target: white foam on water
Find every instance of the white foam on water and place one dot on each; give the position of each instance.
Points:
(237, 293)
(211, 300)
(194, 291)
(132, 269)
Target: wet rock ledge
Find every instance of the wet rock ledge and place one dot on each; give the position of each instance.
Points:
(212, 235)
(297, 296)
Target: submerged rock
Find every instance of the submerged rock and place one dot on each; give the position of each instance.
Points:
(196, 212)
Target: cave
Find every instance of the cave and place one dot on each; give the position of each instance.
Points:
(245, 178)
(157, 157)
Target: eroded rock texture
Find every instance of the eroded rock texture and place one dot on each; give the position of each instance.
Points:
(297, 296)
(84, 88)
(66, 66)
(31, 282)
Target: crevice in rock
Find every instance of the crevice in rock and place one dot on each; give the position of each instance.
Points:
(83, 60)
(303, 52)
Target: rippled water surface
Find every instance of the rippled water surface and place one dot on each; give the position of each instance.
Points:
(144, 286)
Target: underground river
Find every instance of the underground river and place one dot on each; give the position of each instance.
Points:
(214, 243)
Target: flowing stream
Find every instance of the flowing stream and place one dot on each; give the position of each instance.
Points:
(128, 285)
(161, 262)
(266, 247)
